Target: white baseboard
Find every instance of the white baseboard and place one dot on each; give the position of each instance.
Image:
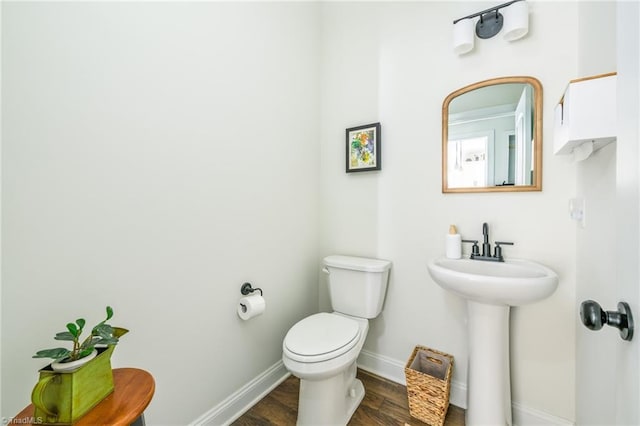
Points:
(393, 370)
(526, 416)
(244, 398)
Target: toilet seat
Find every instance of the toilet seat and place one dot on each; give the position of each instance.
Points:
(320, 337)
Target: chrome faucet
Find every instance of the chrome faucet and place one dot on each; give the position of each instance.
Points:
(486, 247)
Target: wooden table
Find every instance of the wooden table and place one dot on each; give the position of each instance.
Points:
(133, 391)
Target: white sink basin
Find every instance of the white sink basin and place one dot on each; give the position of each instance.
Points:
(513, 282)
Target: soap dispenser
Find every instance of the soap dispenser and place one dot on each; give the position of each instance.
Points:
(453, 249)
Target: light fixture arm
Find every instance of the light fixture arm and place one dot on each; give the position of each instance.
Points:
(514, 18)
(491, 9)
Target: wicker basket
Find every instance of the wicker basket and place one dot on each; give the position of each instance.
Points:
(428, 374)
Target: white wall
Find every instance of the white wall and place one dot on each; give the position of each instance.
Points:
(393, 63)
(155, 157)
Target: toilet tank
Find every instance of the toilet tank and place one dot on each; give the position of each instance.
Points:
(357, 285)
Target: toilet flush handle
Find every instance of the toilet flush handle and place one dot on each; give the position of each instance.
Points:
(326, 270)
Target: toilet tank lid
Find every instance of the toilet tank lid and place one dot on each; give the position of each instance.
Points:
(357, 263)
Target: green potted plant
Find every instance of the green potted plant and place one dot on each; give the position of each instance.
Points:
(78, 378)
(83, 351)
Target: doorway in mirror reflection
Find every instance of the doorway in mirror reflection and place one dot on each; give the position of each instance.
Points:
(468, 165)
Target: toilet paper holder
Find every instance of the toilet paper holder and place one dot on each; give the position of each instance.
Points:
(248, 289)
(250, 305)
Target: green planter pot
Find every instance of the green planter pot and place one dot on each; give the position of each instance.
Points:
(61, 398)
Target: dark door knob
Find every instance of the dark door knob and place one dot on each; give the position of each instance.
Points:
(593, 317)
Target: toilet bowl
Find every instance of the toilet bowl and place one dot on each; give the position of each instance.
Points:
(321, 350)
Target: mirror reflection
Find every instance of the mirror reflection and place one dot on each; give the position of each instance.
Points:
(492, 136)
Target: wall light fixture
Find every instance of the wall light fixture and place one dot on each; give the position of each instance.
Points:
(514, 19)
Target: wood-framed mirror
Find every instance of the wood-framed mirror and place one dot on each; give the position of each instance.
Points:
(492, 136)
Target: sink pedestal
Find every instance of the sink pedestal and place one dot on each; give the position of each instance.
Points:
(489, 382)
(491, 288)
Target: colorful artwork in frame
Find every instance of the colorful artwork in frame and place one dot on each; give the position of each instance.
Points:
(363, 148)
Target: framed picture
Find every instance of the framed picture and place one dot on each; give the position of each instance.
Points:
(363, 148)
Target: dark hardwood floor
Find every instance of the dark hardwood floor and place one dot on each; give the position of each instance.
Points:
(385, 404)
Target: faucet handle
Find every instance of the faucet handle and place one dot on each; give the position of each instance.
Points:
(498, 250)
(475, 250)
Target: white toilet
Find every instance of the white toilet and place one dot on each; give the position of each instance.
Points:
(322, 349)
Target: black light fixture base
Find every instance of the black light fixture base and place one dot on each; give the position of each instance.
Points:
(489, 24)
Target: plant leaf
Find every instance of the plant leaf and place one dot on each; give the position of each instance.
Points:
(56, 353)
(90, 343)
(73, 329)
(103, 330)
(85, 352)
(109, 341)
(81, 322)
(109, 313)
(65, 335)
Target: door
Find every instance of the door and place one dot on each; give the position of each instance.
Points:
(523, 132)
(608, 248)
(628, 207)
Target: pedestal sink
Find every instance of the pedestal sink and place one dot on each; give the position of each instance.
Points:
(490, 289)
